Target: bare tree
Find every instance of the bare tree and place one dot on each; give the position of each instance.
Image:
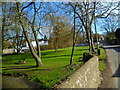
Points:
(15, 33)
(23, 23)
(88, 11)
(110, 23)
(4, 22)
(97, 37)
(72, 54)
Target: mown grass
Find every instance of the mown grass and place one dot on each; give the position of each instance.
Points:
(56, 65)
(102, 59)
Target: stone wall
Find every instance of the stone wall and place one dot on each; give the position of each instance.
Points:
(88, 76)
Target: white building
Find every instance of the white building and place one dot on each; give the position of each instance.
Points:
(40, 43)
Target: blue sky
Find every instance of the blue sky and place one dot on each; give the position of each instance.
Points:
(68, 15)
(59, 12)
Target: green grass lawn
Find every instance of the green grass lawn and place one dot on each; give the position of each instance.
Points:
(102, 59)
(56, 65)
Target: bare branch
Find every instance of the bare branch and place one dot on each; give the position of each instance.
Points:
(101, 15)
(26, 6)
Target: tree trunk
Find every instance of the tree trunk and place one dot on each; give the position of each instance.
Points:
(88, 30)
(37, 42)
(88, 38)
(38, 46)
(96, 34)
(56, 44)
(33, 52)
(91, 38)
(37, 59)
(17, 41)
(72, 54)
(92, 45)
(3, 25)
(34, 32)
(88, 33)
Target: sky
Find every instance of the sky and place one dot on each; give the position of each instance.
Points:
(69, 15)
(99, 25)
(60, 12)
(59, 0)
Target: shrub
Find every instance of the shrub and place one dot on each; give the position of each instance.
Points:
(72, 68)
(87, 56)
(117, 33)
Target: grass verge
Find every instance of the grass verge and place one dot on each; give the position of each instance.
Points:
(102, 59)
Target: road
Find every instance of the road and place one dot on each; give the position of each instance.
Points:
(113, 57)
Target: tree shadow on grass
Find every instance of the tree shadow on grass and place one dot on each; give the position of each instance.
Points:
(29, 68)
(82, 49)
(18, 67)
(61, 56)
(49, 52)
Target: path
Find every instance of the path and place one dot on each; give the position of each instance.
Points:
(15, 82)
(113, 58)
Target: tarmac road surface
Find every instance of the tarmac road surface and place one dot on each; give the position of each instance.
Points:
(113, 57)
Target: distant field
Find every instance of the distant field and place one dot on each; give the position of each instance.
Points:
(55, 66)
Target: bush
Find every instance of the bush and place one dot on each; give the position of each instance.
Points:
(112, 41)
(72, 68)
(87, 56)
(117, 33)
